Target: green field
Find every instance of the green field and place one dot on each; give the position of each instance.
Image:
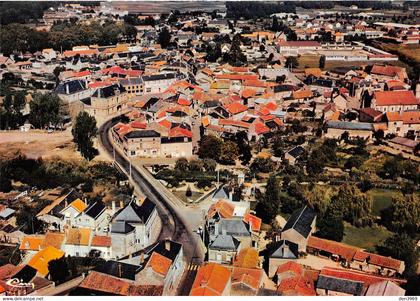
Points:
(366, 238)
(381, 199)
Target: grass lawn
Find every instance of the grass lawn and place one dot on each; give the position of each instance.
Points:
(366, 238)
(381, 199)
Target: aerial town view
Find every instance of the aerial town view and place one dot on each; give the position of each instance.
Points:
(210, 148)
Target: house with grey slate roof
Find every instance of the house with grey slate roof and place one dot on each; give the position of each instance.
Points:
(281, 252)
(299, 226)
(223, 249)
(332, 286)
(134, 227)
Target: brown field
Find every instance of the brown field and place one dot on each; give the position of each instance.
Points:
(39, 144)
(410, 51)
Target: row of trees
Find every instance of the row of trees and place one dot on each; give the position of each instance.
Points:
(212, 147)
(21, 38)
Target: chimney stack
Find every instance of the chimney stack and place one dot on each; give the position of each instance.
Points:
(119, 271)
(141, 258)
(67, 89)
(167, 245)
(121, 204)
(113, 207)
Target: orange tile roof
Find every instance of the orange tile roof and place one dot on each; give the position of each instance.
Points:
(242, 77)
(261, 128)
(100, 282)
(332, 247)
(101, 241)
(313, 71)
(247, 258)
(88, 52)
(236, 123)
(138, 125)
(31, 243)
(78, 236)
(407, 117)
(41, 259)
(184, 102)
(256, 83)
(159, 263)
(236, 108)
(389, 98)
(81, 73)
(302, 94)
(180, 132)
(165, 123)
(249, 277)
(249, 92)
(210, 280)
(375, 259)
(254, 220)
(386, 70)
(392, 84)
(79, 205)
(290, 267)
(299, 285)
(271, 106)
(225, 209)
(53, 239)
(205, 120)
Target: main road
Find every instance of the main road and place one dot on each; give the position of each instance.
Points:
(174, 216)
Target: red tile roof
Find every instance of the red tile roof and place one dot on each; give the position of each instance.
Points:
(211, 280)
(247, 258)
(100, 282)
(236, 123)
(225, 209)
(333, 247)
(101, 241)
(390, 71)
(236, 108)
(180, 132)
(183, 102)
(159, 263)
(300, 285)
(389, 98)
(138, 125)
(299, 43)
(81, 73)
(241, 77)
(375, 259)
(249, 277)
(253, 220)
(407, 117)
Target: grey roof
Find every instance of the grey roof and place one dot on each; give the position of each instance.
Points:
(133, 213)
(95, 209)
(340, 285)
(296, 151)
(221, 193)
(285, 249)
(346, 125)
(108, 91)
(225, 242)
(234, 227)
(6, 213)
(158, 76)
(131, 81)
(301, 220)
(70, 87)
(118, 269)
(121, 227)
(142, 134)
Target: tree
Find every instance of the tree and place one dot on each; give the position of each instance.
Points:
(331, 225)
(235, 55)
(229, 152)
(269, 205)
(379, 136)
(188, 192)
(318, 198)
(354, 161)
(352, 203)
(196, 165)
(58, 270)
(275, 25)
(182, 165)
(291, 62)
(402, 247)
(45, 110)
(262, 165)
(322, 62)
(83, 132)
(403, 216)
(210, 147)
(164, 37)
(209, 164)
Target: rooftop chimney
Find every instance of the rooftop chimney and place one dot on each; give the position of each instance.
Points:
(113, 207)
(141, 258)
(167, 245)
(67, 89)
(119, 271)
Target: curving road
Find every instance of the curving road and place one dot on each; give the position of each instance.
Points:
(174, 217)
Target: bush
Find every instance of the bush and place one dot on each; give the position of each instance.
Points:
(203, 183)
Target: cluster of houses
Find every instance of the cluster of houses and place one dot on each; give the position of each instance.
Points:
(288, 266)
